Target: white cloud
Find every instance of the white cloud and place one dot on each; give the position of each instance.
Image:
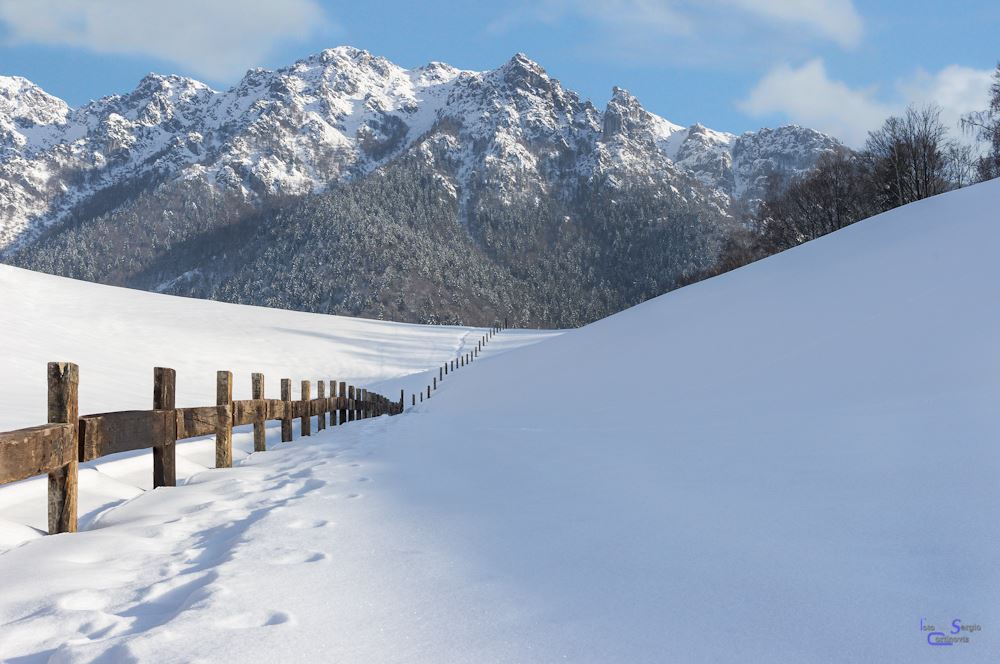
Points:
(957, 90)
(218, 38)
(837, 20)
(736, 22)
(807, 95)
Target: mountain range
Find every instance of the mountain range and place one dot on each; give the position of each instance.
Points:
(347, 184)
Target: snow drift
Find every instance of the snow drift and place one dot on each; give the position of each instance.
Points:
(796, 462)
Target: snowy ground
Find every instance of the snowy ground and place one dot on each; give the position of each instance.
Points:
(118, 335)
(795, 462)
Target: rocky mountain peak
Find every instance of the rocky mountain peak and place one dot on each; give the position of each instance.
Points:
(343, 113)
(624, 115)
(24, 103)
(522, 73)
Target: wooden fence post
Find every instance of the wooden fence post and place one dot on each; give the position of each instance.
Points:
(440, 373)
(63, 408)
(165, 450)
(402, 400)
(414, 396)
(445, 368)
(435, 383)
(321, 394)
(286, 421)
(365, 405)
(305, 421)
(351, 412)
(260, 413)
(428, 391)
(343, 402)
(224, 419)
(333, 403)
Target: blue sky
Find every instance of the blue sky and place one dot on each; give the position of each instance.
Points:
(837, 65)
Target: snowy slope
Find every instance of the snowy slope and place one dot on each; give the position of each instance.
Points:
(118, 335)
(794, 462)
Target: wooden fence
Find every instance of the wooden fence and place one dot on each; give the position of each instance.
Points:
(57, 448)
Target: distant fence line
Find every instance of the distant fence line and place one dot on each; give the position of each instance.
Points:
(58, 447)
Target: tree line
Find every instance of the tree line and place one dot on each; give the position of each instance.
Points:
(910, 157)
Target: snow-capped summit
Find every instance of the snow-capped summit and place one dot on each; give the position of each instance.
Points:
(340, 114)
(27, 115)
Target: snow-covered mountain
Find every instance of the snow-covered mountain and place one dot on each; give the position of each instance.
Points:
(342, 113)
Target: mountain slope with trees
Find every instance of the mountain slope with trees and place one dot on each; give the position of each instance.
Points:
(288, 190)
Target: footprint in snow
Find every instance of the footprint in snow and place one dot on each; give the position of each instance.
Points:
(303, 524)
(255, 619)
(297, 557)
(82, 600)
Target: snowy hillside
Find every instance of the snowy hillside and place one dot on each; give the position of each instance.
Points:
(117, 336)
(793, 462)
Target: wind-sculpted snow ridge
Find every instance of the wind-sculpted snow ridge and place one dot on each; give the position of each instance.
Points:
(342, 113)
(792, 462)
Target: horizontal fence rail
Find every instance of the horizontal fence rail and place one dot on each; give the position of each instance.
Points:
(57, 448)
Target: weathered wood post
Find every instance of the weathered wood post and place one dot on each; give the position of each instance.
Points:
(440, 373)
(343, 402)
(321, 395)
(428, 391)
(286, 421)
(435, 383)
(305, 421)
(445, 368)
(63, 408)
(260, 413)
(224, 419)
(332, 404)
(351, 412)
(402, 400)
(165, 449)
(421, 397)
(414, 396)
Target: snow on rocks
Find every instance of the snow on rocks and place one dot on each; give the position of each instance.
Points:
(340, 114)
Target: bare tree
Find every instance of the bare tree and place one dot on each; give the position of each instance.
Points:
(834, 195)
(962, 164)
(985, 127)
(907, 157)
